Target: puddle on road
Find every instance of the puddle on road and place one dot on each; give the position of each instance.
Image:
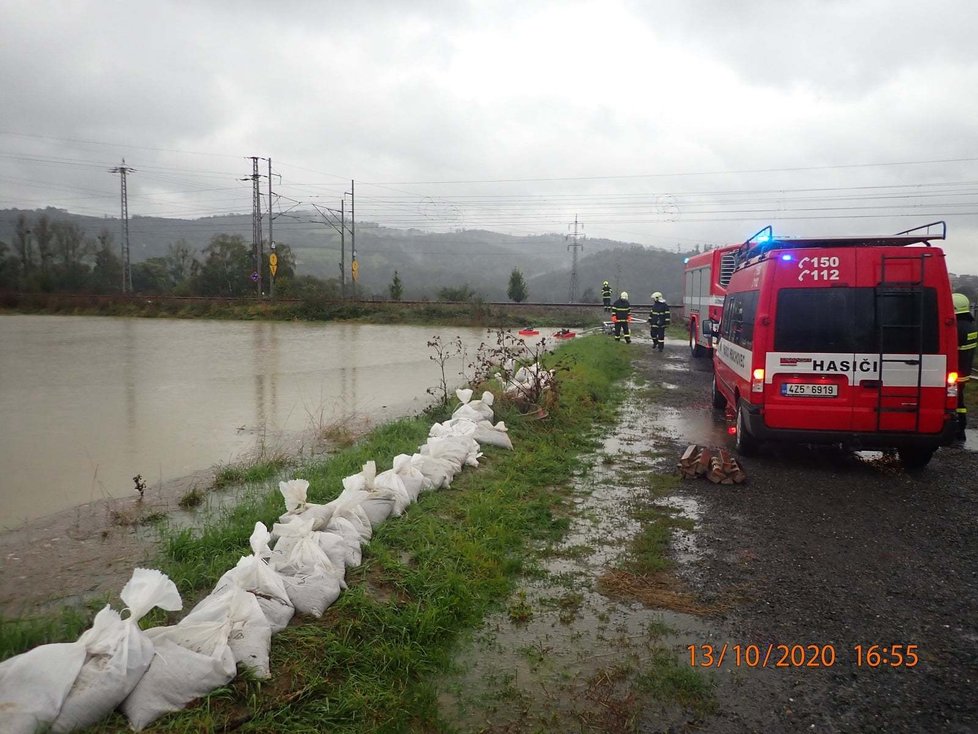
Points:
(563, 656)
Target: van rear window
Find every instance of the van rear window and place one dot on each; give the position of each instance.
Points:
(857, 320)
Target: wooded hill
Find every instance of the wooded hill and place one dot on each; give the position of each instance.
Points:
(426, 262)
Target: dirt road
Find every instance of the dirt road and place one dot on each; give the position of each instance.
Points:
(827, 548)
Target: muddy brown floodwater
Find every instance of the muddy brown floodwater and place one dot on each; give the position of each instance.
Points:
(819, 548)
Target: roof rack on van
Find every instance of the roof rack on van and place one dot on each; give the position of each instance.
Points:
(764, 240)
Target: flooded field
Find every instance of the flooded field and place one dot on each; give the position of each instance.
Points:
(88, 403)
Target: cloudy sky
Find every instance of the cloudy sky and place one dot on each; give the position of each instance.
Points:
(664, 123)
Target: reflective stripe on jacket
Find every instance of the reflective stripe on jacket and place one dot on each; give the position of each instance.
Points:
(659, 315)
(621, 309)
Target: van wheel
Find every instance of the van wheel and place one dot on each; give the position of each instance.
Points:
(914, 457)
(744, 442)
(719, 401)
(695, 349)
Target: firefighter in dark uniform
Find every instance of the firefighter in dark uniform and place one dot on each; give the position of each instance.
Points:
(658, 320)
(967, 340)
(606, 295)
(620, 311)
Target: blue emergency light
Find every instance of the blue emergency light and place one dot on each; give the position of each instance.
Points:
(787, 257)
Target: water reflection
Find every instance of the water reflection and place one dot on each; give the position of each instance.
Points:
(86, 403)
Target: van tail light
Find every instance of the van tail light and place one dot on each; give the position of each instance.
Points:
(757, 384)
(952, 384)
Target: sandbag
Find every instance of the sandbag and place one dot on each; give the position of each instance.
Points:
(487, 434)
(344, 527)
(376, 503)
(332, 544)
(34, 685)
(311, 579)
(439, 472)
(390, 481)
(474, 410)
(413, 480)
(252, 573)
(457, 449)
(118, 653)
(192, 659)
(294, 493)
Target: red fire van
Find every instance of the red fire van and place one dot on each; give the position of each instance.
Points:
(845, 340)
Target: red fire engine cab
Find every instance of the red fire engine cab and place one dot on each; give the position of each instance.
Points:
(846, 340)
(705, 280)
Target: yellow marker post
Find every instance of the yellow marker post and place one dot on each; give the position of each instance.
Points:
(273, 263)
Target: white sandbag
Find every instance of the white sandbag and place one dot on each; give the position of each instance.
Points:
(341, 550)
(192, 659)
(390, 481)
(254, 574)
(412, 479)
(332, 544)
(34, 684)
(453, 427)
(357, 517)
(345, 528)
(487, 434)
(377, 503)
(294, 493)
(439, 472)
(462, 450)
(474, 410)
(311, 579)
(118, 652)
(250, 638)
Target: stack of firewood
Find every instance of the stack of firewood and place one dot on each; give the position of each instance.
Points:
(717, 465)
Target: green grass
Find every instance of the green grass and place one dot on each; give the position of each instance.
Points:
(369, 664)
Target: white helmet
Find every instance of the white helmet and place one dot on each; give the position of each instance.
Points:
(657, 296)
(624, 294)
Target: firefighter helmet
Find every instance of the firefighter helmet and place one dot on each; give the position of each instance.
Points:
(624, 294)
(604, 282)
(657, 296)
(961, 303)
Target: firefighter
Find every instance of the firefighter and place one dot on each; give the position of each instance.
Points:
(967, 339)
(658, 320)
(606, 295)
(620, 311)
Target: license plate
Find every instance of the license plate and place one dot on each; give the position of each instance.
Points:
(809, 390)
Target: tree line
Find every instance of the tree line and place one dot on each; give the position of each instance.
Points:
(56, 256)
(52, 256)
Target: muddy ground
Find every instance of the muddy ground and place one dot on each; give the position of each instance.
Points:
(818, 547)
(830, 548)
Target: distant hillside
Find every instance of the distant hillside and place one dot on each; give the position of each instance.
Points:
(638, 270)
(425, 262)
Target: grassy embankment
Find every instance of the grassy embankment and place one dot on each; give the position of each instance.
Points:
(371, 312)
(369, 663)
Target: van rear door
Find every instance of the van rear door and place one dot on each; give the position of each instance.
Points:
(899, 334)
(810, 365)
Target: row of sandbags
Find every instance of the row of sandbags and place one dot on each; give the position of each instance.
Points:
(298, 566)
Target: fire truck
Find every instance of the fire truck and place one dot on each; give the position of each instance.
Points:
(840, 340)
(704, 286)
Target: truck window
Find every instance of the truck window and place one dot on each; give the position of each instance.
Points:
(856, 320)
(739, 311)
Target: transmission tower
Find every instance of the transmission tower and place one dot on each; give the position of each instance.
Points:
(573, 247)
(257, 246)
(126, 266)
